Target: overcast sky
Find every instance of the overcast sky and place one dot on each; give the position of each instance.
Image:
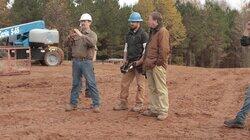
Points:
(236, 4)
(128, 2)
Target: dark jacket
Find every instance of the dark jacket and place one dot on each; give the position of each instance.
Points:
(245, 41)
(135, 41)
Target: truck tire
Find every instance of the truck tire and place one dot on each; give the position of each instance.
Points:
(54, 56)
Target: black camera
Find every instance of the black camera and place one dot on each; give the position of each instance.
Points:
(245, 41)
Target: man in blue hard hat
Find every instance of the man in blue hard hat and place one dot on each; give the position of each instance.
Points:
(135, 43)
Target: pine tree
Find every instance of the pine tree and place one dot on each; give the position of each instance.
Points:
(233, 51)
(193, 22)
(4, 14)
(173, 21)
(26, 11)
(145, 8)
(57, 16)
(217, 28)
(107, 22)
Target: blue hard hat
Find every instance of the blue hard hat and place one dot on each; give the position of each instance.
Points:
(135, 17)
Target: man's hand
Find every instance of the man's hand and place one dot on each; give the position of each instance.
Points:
(78, 32)
(246, 32)
(70, 39)
(139, 62)
(71, 35)
(124, 62)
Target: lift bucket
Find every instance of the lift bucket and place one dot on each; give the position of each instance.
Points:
(15, 60)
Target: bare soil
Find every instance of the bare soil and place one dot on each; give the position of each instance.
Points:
(32, 106)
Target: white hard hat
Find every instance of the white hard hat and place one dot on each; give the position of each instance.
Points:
(86, 16)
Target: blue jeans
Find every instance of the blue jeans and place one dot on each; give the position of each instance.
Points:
(84, 68)
(86, 86)
(242, 114)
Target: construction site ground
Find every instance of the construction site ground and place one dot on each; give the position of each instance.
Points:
(33, 106)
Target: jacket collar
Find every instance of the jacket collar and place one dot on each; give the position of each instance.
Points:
(156, 29)
(131, 31)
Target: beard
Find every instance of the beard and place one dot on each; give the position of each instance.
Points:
(133, 27)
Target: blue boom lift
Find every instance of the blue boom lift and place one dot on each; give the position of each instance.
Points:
(42, 42)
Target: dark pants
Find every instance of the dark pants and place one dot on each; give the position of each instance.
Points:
(242, 114)
(84, 68)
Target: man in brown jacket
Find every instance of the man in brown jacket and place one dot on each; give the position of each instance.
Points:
(155, 64)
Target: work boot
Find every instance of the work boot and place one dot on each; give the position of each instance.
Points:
(162, 116)
(138, 107)
(234, 124)
(70, 107)
(121, 106)
(149, 113)
(96, 109)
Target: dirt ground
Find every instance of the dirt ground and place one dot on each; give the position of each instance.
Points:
(32, 106)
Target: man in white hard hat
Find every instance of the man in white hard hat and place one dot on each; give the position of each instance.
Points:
(83, 50)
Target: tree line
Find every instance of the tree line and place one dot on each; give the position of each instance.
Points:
(200, 35)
